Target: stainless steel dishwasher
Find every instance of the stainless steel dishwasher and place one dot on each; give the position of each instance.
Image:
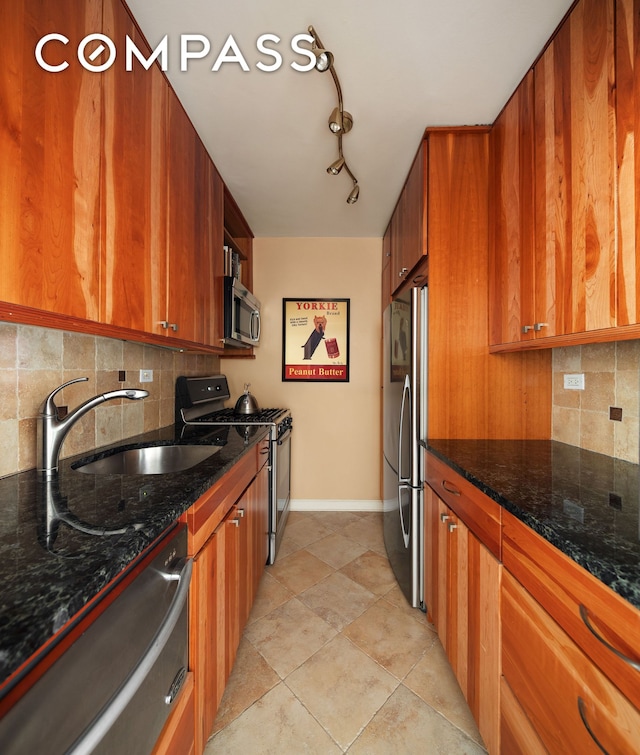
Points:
(113, 689)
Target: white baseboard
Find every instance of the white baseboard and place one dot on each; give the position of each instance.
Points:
(309, 504)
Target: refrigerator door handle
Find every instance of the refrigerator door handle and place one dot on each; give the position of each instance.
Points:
(406, 401)
(406, 526)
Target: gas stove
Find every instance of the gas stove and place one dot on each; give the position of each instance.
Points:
(200, 404)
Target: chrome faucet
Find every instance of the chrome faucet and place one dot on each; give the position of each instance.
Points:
(52, 430)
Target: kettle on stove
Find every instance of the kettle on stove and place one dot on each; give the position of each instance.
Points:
(247, 403)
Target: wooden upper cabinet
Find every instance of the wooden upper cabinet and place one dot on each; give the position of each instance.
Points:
(214, 322)
(192, 184)
(575, 174)
(512, 268)
(408, 234)
(50, 164)
(134, 265)
(386, 267)
(564, 213)
(628, 124)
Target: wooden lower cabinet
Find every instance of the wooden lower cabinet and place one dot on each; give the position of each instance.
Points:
(517, 735)
(226, 576)
(462, 584)
(569, 702)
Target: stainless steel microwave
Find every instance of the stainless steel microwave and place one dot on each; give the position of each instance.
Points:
(241, 314)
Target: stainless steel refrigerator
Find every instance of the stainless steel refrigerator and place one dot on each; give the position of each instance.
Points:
(404, 394)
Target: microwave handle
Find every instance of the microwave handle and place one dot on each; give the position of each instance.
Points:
(255, 317)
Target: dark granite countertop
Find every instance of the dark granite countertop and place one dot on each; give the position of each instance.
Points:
(50, 569)
(584, 503)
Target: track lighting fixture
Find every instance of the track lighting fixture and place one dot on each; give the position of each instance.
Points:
(336, 166)
(340, 121)
(353, 194)
(324, 59)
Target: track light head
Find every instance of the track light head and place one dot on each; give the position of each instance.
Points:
(336, 166)
(324, 58)
(340, 122)
(353, 195)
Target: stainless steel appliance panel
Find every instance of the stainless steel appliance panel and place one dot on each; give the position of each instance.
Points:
(241, 314)
(113, 689)
(281, 478)
(404, 424)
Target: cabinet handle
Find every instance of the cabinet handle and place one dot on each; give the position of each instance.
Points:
(174, 327)
(443, 517)
(582, 709)
(164, 324)
(450, 488)
(585, 618)
(235, 522)
(452, 526)
(240, 513)
(403, 272)
(537, 326)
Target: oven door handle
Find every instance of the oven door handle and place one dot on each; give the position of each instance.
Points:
(95, 732)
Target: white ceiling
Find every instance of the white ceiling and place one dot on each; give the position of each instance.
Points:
(403, 65)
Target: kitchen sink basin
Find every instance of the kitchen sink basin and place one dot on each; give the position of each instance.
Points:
(150, 460)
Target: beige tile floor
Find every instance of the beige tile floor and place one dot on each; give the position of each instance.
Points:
(334, 660)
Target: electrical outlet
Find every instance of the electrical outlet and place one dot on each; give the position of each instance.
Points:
(574, 382)
(146, 376)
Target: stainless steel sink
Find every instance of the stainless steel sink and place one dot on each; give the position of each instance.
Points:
(150, 460)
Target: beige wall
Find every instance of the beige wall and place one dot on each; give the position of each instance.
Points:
(336, 439)
(34, 361)
(612, 378)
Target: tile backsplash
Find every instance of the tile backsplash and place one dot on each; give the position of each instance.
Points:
(34, 361)
(612, 379)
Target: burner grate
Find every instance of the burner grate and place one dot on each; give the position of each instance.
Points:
(228, 415)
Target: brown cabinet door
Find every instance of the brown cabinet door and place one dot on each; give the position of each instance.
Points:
(627, 125)
(214, 289)
(408, 235)
(571, 704)
(186, 189)
(134, 265)
(511, 274)
(50, 165)
(207, 644)
(462, 589)
(575, 173)
(386, 268)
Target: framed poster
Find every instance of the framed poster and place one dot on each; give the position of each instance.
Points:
(315, 340)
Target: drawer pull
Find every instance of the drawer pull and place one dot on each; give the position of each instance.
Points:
(585, 617)
(450, 488)
(583, 715)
